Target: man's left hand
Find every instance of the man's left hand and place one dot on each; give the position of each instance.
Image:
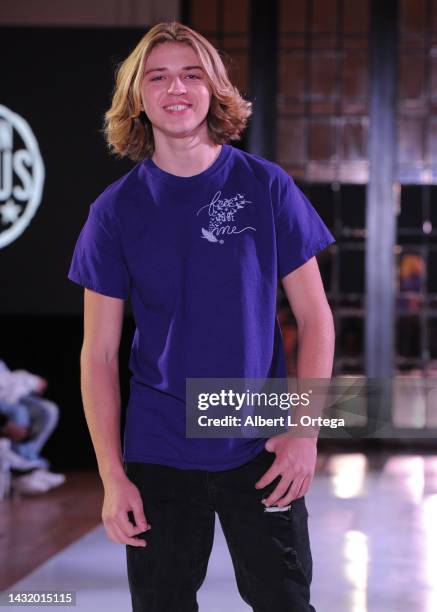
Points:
(295, 462)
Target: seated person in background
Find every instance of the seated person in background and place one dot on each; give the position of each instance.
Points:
(27, 422)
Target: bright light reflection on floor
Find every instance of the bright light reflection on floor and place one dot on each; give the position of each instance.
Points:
(429, 526)
(348, 474)
(356, 555)
(408, 474)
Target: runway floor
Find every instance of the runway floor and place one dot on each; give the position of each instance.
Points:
(373, 527)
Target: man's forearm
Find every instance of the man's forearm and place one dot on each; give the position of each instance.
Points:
(100, 386)
(316, 341)
(314, 361)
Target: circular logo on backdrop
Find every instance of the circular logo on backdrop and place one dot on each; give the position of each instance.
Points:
(21, 175)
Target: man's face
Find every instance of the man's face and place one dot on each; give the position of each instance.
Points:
(174, 91)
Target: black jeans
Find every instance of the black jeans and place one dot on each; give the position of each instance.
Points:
(270, 551)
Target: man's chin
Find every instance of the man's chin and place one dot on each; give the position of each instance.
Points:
(182, 131)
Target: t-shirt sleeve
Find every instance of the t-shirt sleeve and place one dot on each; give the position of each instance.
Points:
(300, 232)
(98, 263)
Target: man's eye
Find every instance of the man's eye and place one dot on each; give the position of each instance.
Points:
(157, 78)
(193, 76)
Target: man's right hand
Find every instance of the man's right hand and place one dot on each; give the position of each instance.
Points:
(121, 497)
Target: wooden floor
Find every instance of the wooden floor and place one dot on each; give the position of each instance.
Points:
(32, 529)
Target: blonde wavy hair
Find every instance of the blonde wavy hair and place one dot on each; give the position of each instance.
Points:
(127, 129)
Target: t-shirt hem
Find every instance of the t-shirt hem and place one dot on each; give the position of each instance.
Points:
(136, 458)
(314, 251)
(96, 288)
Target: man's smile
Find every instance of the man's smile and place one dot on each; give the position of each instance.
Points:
(177, 108)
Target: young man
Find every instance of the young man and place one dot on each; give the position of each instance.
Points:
(197, 234)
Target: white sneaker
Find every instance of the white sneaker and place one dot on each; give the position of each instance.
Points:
(49, 478)
(29, 485)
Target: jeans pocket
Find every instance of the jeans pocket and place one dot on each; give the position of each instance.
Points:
(284, 511)
(299, 507)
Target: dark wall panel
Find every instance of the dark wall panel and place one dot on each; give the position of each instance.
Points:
(60, 81)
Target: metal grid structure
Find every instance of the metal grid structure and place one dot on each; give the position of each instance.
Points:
(322, 99)
(342, 207)
(323, 102)
(416, 251)
(416, 173)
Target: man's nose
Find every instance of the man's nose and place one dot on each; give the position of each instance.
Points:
(176, 86)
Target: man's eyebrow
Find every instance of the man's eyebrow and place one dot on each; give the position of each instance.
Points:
(163, 69)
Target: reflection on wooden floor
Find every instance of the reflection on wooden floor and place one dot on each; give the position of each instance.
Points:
(32, 529)
(373, 526)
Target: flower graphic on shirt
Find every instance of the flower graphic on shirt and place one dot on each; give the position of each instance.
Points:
(222, 213)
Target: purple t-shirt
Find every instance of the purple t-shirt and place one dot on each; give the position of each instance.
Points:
(199, 257)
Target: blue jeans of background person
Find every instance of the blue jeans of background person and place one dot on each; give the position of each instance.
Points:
(42, 416)
(270, 551)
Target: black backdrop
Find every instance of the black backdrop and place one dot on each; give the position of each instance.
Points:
(60, 81)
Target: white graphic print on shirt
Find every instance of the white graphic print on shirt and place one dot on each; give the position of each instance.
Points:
(222, 212)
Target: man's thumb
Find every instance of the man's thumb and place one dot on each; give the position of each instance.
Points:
(270, 445)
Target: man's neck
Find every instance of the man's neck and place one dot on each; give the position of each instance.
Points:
(185, 156)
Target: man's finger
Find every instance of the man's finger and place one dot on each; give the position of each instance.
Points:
(286, 499)
(294, 490)
(268, 477)
(124, 539)
(139, 517)
(279, 491)
(125, 525)
(304, 487)
(302, 490)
